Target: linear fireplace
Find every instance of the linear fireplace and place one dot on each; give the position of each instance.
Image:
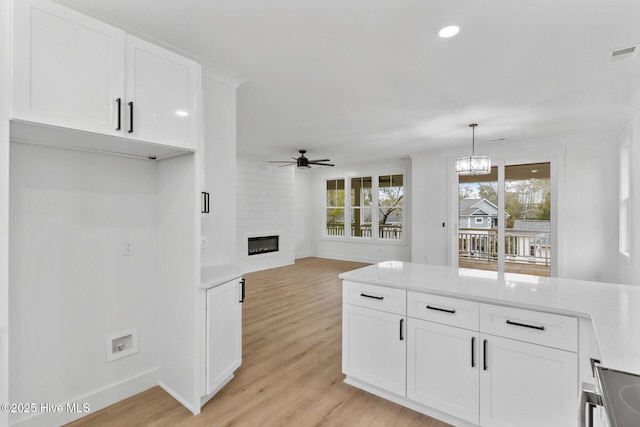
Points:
(262, 245)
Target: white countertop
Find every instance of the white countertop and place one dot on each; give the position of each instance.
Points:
(613, 309)
(216, 275)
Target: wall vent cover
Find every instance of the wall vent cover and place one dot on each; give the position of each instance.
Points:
(624, 53)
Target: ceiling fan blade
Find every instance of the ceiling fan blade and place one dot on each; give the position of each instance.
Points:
(321, 164)
(320, 160)
(282, 161)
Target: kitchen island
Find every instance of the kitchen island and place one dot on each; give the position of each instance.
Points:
(434, 313)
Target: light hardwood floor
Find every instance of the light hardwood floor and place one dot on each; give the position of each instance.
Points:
(291, 371)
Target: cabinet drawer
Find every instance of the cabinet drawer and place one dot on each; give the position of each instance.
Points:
(448, 311)
(377, 297)
(548, 329)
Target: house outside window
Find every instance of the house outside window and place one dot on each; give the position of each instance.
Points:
(372, 205)
(521, 241)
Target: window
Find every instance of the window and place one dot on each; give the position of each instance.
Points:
(335, 207)
(390, 206)
(625, 201)
(521, 242)
(361, 204)
(374, 206)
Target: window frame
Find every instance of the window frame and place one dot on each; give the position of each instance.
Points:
(375, 176)
(556, 159)
(625, 224)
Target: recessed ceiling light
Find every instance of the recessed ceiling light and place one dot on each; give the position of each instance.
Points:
(449, 31)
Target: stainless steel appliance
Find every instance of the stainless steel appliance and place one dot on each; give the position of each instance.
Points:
(618, 392)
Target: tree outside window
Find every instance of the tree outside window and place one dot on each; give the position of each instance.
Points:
(375, 203)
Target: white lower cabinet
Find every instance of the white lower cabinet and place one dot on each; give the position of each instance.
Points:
(471, 363)
(224, 333)
(373, 347)
(524, 384)
(442, 368)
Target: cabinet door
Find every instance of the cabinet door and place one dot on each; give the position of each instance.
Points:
(162, 95)
(68, 68)
(523, 384)
(224, 333)
(373, 347)
(443, 368)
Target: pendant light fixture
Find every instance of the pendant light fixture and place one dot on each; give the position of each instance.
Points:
(473, 165)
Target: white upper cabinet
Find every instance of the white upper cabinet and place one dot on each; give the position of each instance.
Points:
(75, 72)
(162, 94)
(68, 68)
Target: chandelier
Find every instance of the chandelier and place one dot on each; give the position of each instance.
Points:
(473, 165)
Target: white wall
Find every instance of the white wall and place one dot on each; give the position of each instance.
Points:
(587, 203)
(630, 268)
(5, 97)
(219, 226)
(71, 286)
(303, 190)
(265, 204)
(361, 251)
(591, 203)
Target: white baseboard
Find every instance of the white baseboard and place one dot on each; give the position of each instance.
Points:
(179, 398)
(59, 413)
(205, 399)
(400, 400)
(349, 257)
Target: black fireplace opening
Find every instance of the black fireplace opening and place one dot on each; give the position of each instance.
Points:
(262, 245)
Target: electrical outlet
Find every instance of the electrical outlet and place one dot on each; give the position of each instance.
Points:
(128, 247)
(203, 242)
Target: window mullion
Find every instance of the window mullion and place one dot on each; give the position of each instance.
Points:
(347, 208)
(375, 227)
(501, 218)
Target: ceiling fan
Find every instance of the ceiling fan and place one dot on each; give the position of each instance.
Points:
(302, 161)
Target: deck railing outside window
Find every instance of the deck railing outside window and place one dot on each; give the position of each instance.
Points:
(521, 246)
(393, 232)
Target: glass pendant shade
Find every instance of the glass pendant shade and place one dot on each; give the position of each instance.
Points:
(473, 165)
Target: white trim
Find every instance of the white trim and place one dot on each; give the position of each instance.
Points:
(375, 178)
(625, 203)
(96, 400)
(179, 398)
(408, 403)
(556, 157)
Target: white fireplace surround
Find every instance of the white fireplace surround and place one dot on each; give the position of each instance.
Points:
(247, 236)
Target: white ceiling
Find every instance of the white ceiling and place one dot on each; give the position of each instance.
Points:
(370, 79)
